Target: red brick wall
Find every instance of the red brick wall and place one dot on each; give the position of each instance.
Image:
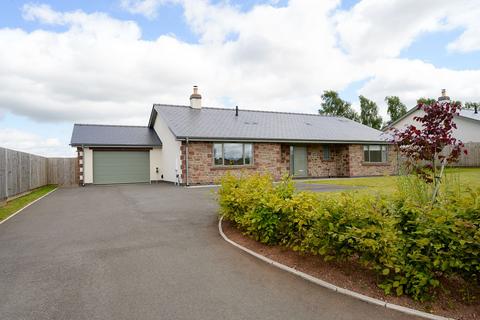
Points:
(317, 167)
(274, 158)
(359, 168)
(343, 160)
(270, 158)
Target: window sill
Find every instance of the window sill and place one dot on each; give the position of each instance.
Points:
(234, 167)
(384, 164)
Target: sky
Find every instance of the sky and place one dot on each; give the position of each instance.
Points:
(65, 62)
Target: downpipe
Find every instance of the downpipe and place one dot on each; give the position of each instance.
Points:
(186, 162)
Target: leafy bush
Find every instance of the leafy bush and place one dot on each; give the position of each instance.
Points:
(410, 242)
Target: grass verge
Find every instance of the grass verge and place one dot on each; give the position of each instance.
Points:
(12, 206)
(468, 177)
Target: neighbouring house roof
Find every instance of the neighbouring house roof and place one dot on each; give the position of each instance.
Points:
(470, 114)
(464, 113)
(113, 135)
(222, 124)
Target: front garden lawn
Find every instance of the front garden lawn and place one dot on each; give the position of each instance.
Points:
(12, 206)
(466, 177)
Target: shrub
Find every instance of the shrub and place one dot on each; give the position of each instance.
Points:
(410, 242)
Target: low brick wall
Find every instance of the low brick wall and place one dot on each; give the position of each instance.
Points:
(274, 158)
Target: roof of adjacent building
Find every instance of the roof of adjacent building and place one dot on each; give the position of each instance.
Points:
(223, 124)
(113, 135)
(464, 113)
(467, 113)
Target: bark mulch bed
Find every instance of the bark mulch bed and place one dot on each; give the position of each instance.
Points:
(449, 302)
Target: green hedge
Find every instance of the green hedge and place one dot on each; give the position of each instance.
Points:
(409, 242)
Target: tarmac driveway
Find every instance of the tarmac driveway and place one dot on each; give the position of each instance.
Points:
(146, 252)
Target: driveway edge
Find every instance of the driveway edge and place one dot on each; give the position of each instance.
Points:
(28, 205)
(328, 285)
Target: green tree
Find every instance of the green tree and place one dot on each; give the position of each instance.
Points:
(427, 101)
(472, 105)
(369, 113)
(333, 105)
(396, 109)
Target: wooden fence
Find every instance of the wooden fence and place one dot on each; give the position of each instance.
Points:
(472, 158)
(21, 172)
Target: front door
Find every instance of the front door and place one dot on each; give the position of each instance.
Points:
(299, 161)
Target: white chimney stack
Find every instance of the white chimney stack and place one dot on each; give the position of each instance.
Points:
(444, 96)
(195, 99)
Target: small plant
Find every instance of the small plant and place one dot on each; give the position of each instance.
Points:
(424, 146)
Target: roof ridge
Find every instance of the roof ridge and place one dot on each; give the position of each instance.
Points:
(252, 110)
(109, 125)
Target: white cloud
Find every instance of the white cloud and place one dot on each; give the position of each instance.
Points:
(28, 142)
(466, 17)
(99, 69)
(378, 28)
(382, 29)
(412, 79)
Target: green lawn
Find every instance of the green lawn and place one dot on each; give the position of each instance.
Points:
(14, 205)
(465, 176)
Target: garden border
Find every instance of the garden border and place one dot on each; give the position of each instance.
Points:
(328, 285)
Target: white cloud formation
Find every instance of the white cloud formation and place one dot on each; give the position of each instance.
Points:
(95, 68)
(466, 17)
(412, 79)
(377, 28)
(25, 141)
(381, 29)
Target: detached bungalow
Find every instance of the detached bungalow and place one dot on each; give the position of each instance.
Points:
(197, 145)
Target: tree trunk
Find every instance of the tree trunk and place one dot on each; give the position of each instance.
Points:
(437, 181)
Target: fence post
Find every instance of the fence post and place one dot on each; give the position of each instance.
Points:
(30, 171)
(6, 173)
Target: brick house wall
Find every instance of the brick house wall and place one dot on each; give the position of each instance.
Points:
(343, 160)
(359, 168)
(274, 158)
(317, 166)
(270, 158)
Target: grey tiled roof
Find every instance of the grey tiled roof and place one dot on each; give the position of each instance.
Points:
(216, 123)
(465, 113)
(111, 135)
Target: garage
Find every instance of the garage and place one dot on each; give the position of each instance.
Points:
(121, 167)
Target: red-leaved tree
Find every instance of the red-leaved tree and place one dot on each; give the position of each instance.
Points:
(426, 145)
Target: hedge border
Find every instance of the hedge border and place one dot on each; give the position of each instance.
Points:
(328, 285)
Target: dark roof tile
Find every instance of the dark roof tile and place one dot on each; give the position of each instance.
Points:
(216, 123)
(113, 135)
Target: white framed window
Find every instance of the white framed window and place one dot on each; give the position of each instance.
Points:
(375, 153)
(232, 154)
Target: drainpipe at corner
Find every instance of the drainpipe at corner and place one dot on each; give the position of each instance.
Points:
(83, 166)
(186, 162)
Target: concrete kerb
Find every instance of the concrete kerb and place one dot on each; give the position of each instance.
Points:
(330, 286)
(28, 205)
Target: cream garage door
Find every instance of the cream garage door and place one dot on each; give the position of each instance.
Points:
(121, 167)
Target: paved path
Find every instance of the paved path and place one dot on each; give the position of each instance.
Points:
(146, 252)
